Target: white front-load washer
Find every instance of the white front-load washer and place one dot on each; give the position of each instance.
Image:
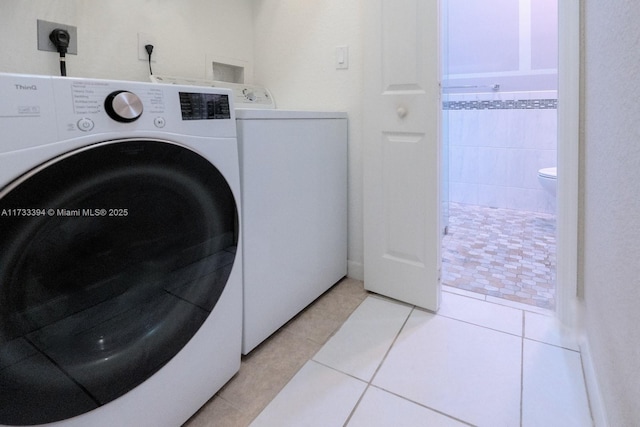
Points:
(293, 168)
(120, 251)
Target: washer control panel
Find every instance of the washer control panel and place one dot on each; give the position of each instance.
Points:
(144, 105)
(244, 95)
(39, 110)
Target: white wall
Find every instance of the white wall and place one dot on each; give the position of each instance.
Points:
(186, 33)
(294, 47)
(512, 43)
(611, 202)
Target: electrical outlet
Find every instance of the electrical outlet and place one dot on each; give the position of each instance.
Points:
(45, 28)
(143, 40)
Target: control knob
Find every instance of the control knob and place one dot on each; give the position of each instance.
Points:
(123, 106)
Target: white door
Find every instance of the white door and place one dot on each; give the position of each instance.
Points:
(401, 150)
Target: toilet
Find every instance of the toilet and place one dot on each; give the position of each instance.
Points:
(548, 179)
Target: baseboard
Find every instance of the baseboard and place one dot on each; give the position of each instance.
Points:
(598, 410)
(355, 270)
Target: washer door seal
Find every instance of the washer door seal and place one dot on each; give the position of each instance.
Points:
(111, 259)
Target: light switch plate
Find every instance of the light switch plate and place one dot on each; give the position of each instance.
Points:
(342, 57)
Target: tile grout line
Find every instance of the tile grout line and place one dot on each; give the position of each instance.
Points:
(370, 383)
(424, 406)
(379, 366)
(554, 345)
(479, 326)
(533, 309)
(483, 326)
(355, 407)
(317, 362)
(521, 306)
(523, 312)
(317, 345)
(586, 389)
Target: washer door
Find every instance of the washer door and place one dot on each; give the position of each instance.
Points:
(111, 258)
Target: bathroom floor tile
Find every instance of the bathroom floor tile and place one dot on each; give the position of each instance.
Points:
(501, 253)
(554, 392)
(316, 396)
(379, 408)
(466, 371)
(500, 318)
(362, 342)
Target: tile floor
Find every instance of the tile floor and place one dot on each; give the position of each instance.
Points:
(391, 364)
(501, 253)
(270, 366)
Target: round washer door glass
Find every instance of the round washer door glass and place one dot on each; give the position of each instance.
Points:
(111, 258)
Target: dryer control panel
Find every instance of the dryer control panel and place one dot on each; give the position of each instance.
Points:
(244, 95)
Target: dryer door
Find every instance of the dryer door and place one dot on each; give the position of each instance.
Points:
(111, 258)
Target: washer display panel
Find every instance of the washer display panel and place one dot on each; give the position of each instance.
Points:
(111, 258)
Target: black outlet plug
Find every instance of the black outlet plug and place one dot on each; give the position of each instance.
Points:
(60, 39)
(149, 49)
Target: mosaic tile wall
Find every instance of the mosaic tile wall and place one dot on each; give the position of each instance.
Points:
(521, 104)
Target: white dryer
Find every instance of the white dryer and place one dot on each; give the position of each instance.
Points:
(294, 194)
(293, 167)
(120, 251)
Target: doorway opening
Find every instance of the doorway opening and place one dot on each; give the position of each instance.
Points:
(499, 131)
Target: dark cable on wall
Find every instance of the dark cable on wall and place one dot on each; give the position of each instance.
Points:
(60, 39)
(149, 49)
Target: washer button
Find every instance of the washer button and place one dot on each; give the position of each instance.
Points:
(85, 124)
(159, 122)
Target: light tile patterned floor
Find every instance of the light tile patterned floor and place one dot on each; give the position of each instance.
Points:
(473, 363)
(501, 253)
(469, 365)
